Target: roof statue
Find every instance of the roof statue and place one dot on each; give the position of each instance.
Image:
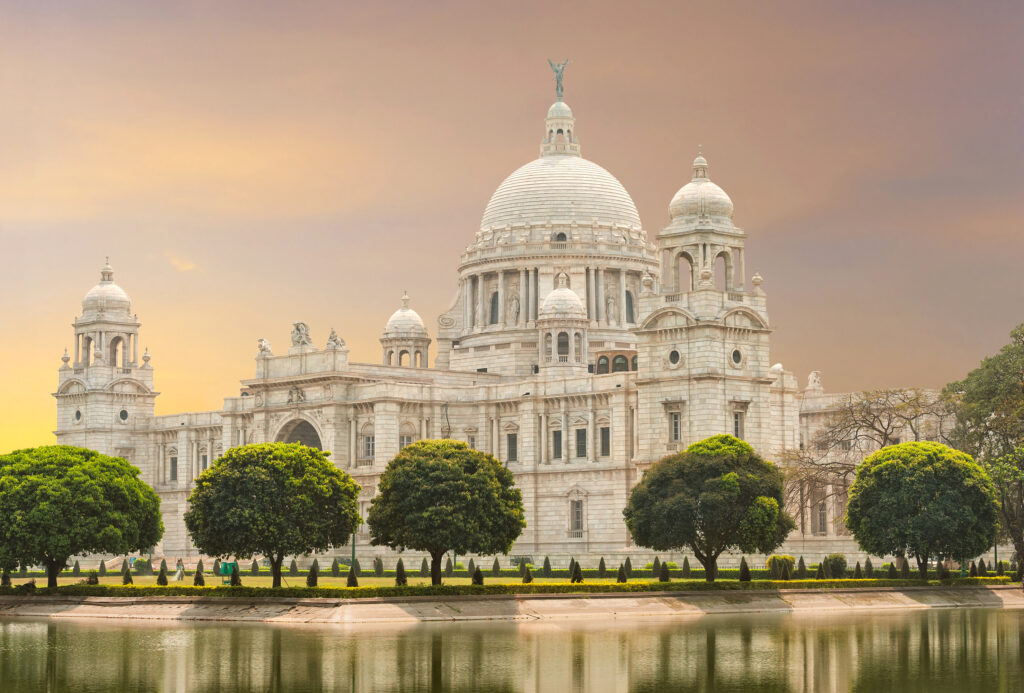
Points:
(558, 69)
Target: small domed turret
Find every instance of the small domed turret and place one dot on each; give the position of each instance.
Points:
(405, 322)
(106, 297)
(405, 340)
(700, 198)
(563, 303)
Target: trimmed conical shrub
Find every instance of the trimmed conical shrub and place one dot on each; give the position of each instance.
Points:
(471, 568)
(744, 570)
(982, 568)
(826, 567)
(163, 565)
(161, 578)
(315, 564)
(103, 568)
(686, 568)
(199, 565)
(629, 569)
(313, 576)
(353, 581)
(577, 573)
(656, 567)
(869, 570)
(355, 562)
(905, 569)
(547, 567)
(378, 566)
(572, 562)
(820, 575)
(857, 574)
(1000, 570)
(496, 568)
(254, 569)
(216, 567)
(621, 576)
(527, 576)
(400, 578)
(891, 573)
(787, 574)
(602, 569)
(335, 568)
(126, 578)
(974, 569)
(801, 569)
(76, 571)
(424, 568)
(125, 566)
(478, 576)
(198, 580)
(522, 567)
(23, 569)
(5, 578)
(448, 567)
(663, 575)
(236, 578)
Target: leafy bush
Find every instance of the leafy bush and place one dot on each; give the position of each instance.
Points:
(801, 569)
(355, 563)
(424, 568)
(142, 567)
(820, 575)
(775, 564)
(254, 569)
(353, 581)
(982, 568)
(335, 568)
(5, 578)
(904, 569)
(577, 574)
(837, 565)
(472, 567)
(126, 578)
(478, 576)
(744, 570)
(400, 578)
(787, 572)
(93, 579)
(216, 567)
(663, 575)
(163, 565)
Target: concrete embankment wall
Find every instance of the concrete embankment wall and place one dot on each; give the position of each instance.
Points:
(507, 608)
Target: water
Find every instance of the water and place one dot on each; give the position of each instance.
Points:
(939, 650)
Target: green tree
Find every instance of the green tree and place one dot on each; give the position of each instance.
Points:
(425, 569)
(495, 569)
(656, 567)
(293, 568)
(989, 408)
(103, 568)
(602, 569)
(161, 578)
(715, 496)
(313, 576)
(621, 575)
(922, 500)
(59, 501)
(547, 567)
(527, 576)
(686, 568)
(335, 568)
(400, 578)
(628, 566)
(274, 499)
(439, 495)
(744, 570)
(663, 574)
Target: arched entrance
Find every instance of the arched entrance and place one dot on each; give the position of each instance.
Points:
(300, 431)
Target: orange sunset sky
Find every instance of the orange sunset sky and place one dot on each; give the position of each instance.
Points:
(246, 165)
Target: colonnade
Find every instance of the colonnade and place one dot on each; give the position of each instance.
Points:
(86, 344)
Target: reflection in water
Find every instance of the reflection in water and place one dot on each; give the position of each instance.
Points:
(938, 650)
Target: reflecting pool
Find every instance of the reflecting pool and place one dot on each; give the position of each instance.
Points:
(936, 650)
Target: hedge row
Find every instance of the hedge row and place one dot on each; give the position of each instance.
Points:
(485, 589)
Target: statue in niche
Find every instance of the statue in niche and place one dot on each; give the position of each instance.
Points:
(300, 335)
(611, 311)
(296, 395)
(334, 341)
(513, 310)
(264, 348)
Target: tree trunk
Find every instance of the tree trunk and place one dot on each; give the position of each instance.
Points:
(53, 568)
(922, 566)
(709, 565)
(275, 568)
(435, 567)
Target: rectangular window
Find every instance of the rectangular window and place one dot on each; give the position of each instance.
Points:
(556, 444)
(174, 469)
(606, 441)
(403, 441)
(822, 519)
(205, 461)
(368, 447)
(576, 517)
(512, 447)
(737, 424)
(844, 445)
(675, 427)
(471, 441)
(581, 443)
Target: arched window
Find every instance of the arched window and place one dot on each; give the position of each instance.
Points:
(684, 272)
(560, 237)
(630, 316)
(723, 272)
(578, 342)
(602, 365)
(402, 356)
(632, 363)
(563, 347)
(494, 308)
(620, 363)
(86, 351)
(114, 359)
(547, 346)
(560, 136)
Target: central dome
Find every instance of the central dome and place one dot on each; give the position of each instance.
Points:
(560, 189)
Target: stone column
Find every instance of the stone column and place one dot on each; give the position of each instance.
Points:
(600, 298)
(501, 298)
(480, 300)
(524, 314)
(124, 352)
(622, 298)
(467, 303)
(591, 295)
(135, 349)
(743, 269)
(565, 432)
(534, 294)
(78, 349)
(593, 451)
(542, 439)
(572, 346)
(554, 347)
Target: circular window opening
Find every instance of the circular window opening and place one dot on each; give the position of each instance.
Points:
(78, 415)
(673, 357)
(737, 357)
(124, 415)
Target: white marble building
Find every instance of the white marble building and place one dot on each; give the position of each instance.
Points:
(578, 350)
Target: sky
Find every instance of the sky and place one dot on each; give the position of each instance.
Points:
(248, 165)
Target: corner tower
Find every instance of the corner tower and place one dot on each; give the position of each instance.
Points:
(104, 395)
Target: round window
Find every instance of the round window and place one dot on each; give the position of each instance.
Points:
(673, 357)
(78, 415)
(737, 357)
(124, 415)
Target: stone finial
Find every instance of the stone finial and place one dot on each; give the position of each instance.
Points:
(65, 358)
(145, 358)
(756, 279)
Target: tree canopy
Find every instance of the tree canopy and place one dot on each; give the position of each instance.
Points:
(274, 499)
(59, 501)
(716, 495)
(441, 495)
(922, 500)
(989, 406)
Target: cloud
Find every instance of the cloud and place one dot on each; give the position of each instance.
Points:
(179, 263)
